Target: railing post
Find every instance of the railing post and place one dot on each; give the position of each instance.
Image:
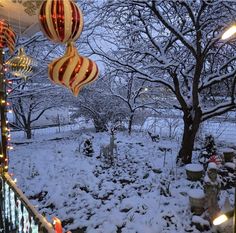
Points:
(3, 152)
(1, 205)
(1, 143)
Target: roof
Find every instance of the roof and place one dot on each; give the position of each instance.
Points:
(22, 15)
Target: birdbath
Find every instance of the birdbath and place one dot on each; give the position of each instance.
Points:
(197, 201)
(194, 171)
(228, 154)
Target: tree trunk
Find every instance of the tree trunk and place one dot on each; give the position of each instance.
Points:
(130, 124)
(99, 125)
(187, 144)
(28, 132)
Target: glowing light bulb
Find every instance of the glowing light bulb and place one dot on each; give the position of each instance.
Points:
(10, 147)
(219, 220)
(230, 32)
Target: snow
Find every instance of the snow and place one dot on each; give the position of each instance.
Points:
(171, 124)
(196, 193)
(212, 166)
(140, 193)
(201, 221)
(194, 167)
(230, 165)
(228, 150)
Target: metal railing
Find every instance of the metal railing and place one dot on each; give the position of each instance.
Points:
(17, 214)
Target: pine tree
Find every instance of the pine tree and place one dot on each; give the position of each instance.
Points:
(88, 148)
(208, 152)
(210, 146)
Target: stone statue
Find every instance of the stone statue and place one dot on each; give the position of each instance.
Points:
(212, 190)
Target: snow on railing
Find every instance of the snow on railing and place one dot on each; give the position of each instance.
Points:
(18, 215)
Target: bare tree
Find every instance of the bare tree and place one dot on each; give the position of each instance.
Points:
(97, 103)
(29, 103)
(133, 94)
(177, 46)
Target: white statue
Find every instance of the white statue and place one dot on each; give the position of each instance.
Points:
(107, 151)
(212, 190)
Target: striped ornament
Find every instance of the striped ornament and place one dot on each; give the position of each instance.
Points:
(21, 65)
(7, 36)
(61, 20)
(72, 70)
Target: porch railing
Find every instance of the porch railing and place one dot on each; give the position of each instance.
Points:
(17, 214)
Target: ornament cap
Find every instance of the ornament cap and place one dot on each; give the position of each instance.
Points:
(21, 51)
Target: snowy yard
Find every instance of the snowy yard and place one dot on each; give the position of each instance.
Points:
(141, 193)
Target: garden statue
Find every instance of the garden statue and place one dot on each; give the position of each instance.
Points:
(107, 151)
(212, 190)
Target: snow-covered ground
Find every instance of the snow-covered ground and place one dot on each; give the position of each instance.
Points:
(142, 192)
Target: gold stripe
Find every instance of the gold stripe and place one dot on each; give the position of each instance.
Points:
(81, 73)
(92, 77)
(49, 19)
(56, 68)
(69, 70)
(68, 23)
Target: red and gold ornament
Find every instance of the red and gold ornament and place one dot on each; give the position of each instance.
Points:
(7, 36)
(57, 225)
(72, 70)
(61, 20)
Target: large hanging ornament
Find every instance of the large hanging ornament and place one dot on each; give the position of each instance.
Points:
(21, 65)
(7, 36)
(72, 70)
(61, 20)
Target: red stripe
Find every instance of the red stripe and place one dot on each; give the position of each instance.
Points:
(62, 70)
(60, 20)
(54, 16)
(76, 70)
(42, 19)
(51, 68)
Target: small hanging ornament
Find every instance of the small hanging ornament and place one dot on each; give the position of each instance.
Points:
(21, 65)
(7, 36)
(57, 225)
(72, 70)
(61, 20)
